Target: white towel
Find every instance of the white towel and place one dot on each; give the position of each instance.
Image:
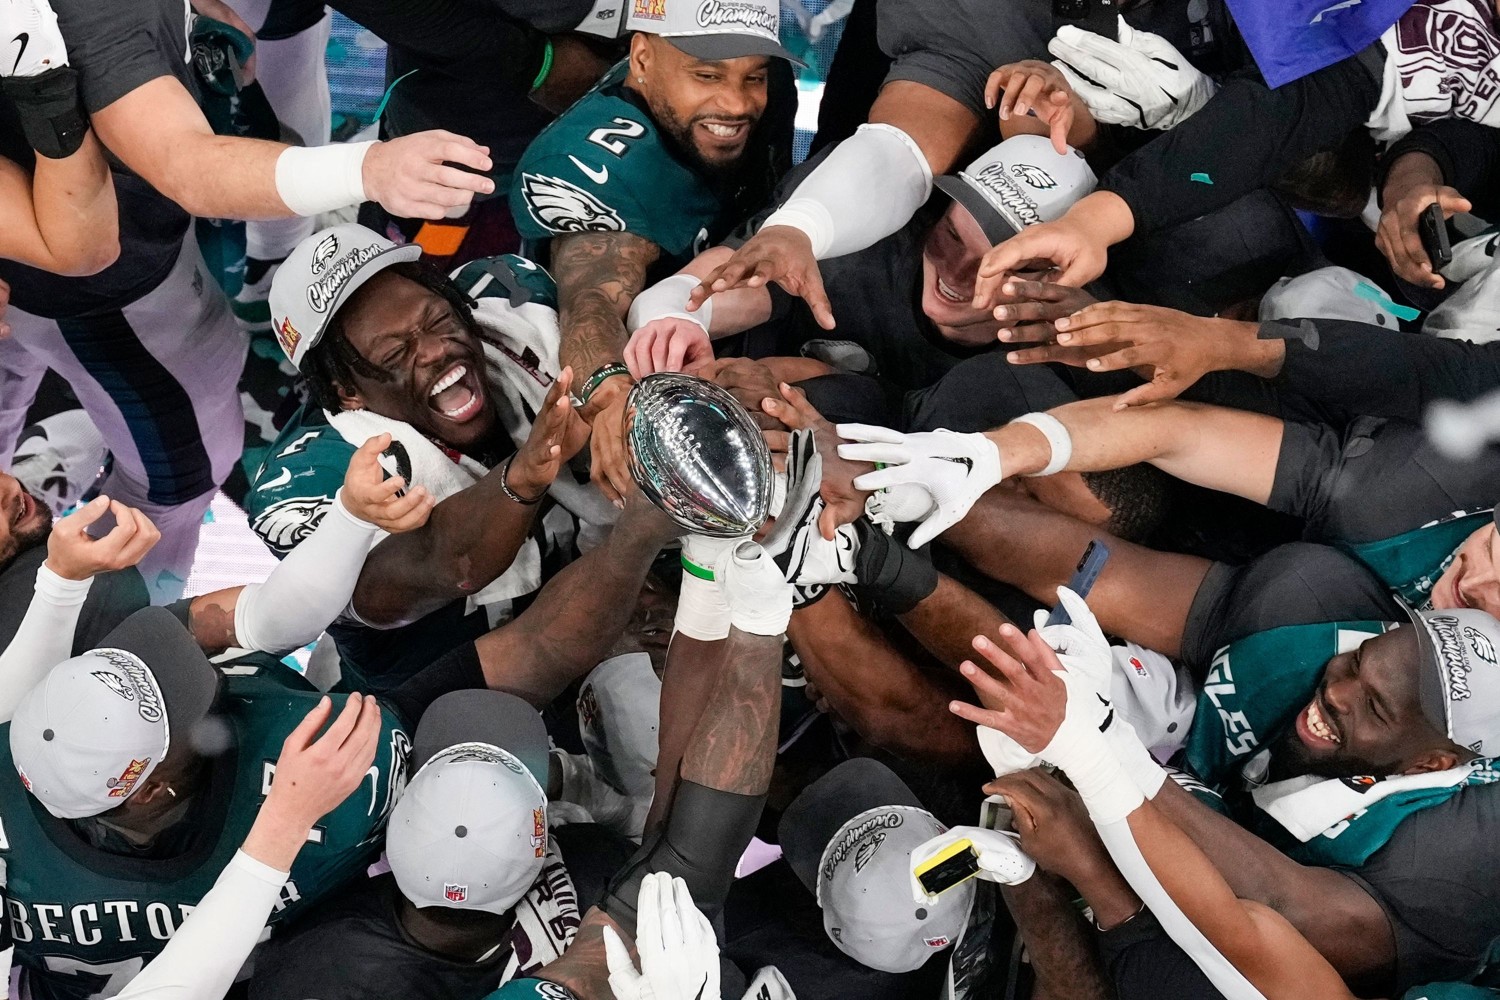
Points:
(1310, 805)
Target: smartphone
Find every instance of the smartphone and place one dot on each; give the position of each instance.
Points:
(396, 462)
(1434, 232)
(1084, 575)
(952, 866)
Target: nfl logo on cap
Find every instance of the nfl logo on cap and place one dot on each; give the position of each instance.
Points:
(455, 893)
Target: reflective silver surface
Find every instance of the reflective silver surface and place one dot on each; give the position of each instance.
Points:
(697, 454)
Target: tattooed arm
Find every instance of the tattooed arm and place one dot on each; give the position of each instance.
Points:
(598, 276)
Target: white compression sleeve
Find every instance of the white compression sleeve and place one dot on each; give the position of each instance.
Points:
(834, 206)
(44, 638)
(669, 297)
(206, 953)
(314, 179)
(310, 588)
(1120, 842)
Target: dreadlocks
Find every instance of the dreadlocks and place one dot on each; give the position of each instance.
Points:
(334, 363)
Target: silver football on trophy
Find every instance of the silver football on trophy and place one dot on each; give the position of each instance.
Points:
(697, 454)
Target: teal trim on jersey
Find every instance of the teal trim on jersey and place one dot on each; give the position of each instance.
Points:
(531, 989)
(602, 166)
(1450, 991)
(1411, 563)
(1256, 686)
(86, 921)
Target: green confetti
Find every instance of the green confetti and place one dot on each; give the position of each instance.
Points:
(1201, 178)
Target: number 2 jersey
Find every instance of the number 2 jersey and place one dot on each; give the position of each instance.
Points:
(604, 166)
(85, 921)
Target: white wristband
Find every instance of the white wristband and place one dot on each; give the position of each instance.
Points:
(702, 612)
(669, 297)
(315, 179)
(1057, 437)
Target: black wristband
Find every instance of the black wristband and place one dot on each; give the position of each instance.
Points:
(51, 116)
(891, 574)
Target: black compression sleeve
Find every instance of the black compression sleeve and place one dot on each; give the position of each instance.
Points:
(456, 670)
(1190, 171)
(706, 832)
(1355, 369)
(1467, 153)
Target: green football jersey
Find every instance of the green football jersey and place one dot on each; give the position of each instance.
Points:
(603, 166)
(86, 921)
(1257, 685)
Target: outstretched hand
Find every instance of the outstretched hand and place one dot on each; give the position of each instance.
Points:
(557, 434)
(1022, 696)
(843, 501)
(782, 254)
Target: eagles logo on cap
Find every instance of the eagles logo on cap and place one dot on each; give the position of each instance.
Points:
(1035, 176)
(323, 253)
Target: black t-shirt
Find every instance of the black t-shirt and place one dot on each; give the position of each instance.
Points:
(1435, 879)
(1375, 480)
(112, 598)
(115, 47)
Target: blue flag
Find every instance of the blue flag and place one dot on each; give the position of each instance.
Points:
(1292, 38)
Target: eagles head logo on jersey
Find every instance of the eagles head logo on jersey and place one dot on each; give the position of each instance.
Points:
(323, 253)
(1035, 176)
(567, 208)
(284, 525)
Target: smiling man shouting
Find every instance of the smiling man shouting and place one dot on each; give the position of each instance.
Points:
(462, 372)
(676, 146)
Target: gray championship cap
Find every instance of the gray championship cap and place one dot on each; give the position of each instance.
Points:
(1019, 183)
(319, 276)
(86, 737)
(849, 837)
(1460, 679)
(470, 830)
(713, 29)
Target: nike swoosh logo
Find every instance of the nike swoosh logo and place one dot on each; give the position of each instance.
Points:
(598, 176)
(967, 463)
(281, 480)
(23, 38)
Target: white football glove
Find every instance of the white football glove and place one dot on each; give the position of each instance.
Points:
(1140, 80)
(1080, 645)
(769, 984)
(758, 595)
(33, 43)
(998, 853)
(679, 954)
(809, 561)
(954, 469)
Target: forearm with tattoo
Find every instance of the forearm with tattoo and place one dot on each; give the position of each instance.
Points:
(211, 620)
(598, 276)
(733, 747)
(1057, 938)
